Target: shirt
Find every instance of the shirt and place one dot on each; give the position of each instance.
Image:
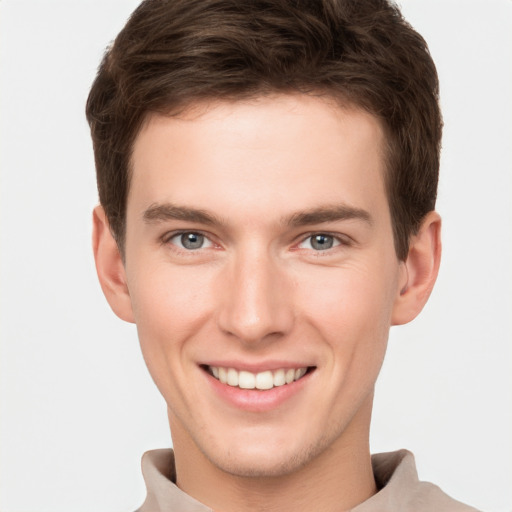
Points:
(395, 474)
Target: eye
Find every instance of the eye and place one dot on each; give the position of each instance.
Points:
(319, 242)
(191, 241)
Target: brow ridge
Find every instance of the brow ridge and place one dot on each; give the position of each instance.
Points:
(168, 211)
(328, 214)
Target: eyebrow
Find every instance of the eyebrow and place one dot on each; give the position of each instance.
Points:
(168, 211)
(328, 214)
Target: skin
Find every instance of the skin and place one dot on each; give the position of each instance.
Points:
(259, 293)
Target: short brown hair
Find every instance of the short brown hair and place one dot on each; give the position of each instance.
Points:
(172, 53)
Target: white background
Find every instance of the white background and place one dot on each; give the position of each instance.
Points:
(77, 406)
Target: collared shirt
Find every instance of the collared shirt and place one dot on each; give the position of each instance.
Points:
(395, 475)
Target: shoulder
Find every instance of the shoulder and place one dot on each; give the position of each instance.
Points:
(428, 497)
(401, 490)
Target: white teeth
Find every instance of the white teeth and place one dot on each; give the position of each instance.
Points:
(247, 380)
(300, 373)
(232, 377)
(279, 378)
(262, 380)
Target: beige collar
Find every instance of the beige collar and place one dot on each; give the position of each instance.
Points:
(395, 475)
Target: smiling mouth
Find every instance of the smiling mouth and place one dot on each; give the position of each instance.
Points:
(262, 380)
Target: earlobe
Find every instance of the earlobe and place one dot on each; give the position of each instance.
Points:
(110, 267)
(420, 270)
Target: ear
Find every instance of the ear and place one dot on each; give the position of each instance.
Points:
(110, 267)
(419, 270)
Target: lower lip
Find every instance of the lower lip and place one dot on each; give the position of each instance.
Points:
(255, 400)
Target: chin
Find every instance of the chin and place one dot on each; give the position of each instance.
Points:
(246, 466)
(265, 459)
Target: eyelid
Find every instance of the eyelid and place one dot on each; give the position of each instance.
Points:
(168, 236)
(344, 240)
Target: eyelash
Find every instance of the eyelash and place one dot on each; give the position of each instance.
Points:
(166, 239)
(342, 241)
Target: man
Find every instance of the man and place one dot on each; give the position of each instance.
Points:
(267, 173)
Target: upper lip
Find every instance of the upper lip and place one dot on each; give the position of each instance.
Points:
(255, 367)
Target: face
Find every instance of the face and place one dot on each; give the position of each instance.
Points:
(262, 276)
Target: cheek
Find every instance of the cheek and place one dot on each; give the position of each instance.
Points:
(347, 297)
(351, 309)
(168, 299)
(170, 306)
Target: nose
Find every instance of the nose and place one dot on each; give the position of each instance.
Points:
(257, 300)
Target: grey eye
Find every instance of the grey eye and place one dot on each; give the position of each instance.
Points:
(322, 242)
(319, 242)
(190, 241)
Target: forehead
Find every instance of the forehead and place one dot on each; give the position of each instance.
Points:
(273, 153)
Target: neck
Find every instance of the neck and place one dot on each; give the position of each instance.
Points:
(338, 479)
